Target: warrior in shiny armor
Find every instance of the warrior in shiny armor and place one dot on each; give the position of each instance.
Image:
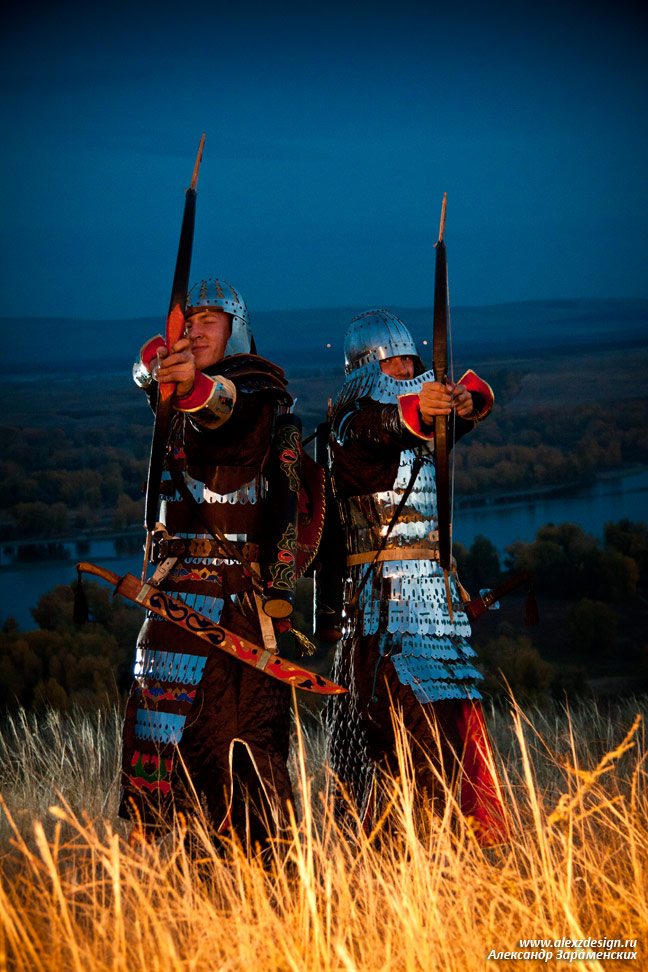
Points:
(404, 650)
(200, 724)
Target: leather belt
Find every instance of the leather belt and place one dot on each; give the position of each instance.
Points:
(393, 553)
(200, 547)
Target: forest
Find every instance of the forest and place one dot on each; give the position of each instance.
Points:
(77, 468)
(86, 471)
(592, 606)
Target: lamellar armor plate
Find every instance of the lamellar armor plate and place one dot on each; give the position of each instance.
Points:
(404, 599)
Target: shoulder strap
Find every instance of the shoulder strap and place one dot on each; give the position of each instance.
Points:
(416, 468)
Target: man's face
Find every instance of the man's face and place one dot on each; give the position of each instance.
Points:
(208, 331)
(400, 367)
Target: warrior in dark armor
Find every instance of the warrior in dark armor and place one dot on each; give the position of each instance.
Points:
(404, 650)
(200, 725)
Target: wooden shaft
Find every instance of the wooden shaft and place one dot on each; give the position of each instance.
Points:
(443, 216)
(194, 178)
(107, 575)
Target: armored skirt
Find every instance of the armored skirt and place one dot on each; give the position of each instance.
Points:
(405, 656)
(204, 733)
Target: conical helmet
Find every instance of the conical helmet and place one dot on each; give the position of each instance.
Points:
(219, 295)
(374, 336)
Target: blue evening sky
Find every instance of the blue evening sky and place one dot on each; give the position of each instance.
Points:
(332, 132)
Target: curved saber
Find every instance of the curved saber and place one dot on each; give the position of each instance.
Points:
(177, 612)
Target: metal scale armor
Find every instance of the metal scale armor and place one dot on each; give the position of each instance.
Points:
(405, 601)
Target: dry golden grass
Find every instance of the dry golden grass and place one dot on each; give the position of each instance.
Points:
(75, 896)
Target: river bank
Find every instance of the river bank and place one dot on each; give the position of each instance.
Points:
(26, 575)
(68, 549)
(635, 475)
(115, 544)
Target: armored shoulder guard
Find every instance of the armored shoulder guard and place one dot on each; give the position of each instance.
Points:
(251, 373)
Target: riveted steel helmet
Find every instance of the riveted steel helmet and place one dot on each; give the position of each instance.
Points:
(219, 295)
(374, 336)
(371, 338)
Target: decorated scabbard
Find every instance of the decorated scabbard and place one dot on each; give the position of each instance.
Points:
(177, 612)
(280, 546)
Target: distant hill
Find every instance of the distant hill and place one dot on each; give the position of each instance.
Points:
(301, 337)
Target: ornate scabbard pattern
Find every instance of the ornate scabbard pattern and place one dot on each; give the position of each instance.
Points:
(283, 569)
(280, 548)
(289, 455)
(214, 634)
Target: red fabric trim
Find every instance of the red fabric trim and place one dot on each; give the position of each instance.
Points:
(409, 410)
(199, 395)
(481, 796)
(150, 350)
(476, 384)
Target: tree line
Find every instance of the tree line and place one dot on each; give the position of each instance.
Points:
(89, 475)
(54, 482)
(545, 447)
(591, 597)
(592, 605)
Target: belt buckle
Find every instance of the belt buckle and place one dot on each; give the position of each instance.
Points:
(199, 547)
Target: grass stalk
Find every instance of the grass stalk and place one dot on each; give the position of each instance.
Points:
(75, 895)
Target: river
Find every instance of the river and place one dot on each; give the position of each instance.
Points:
(609, 499)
